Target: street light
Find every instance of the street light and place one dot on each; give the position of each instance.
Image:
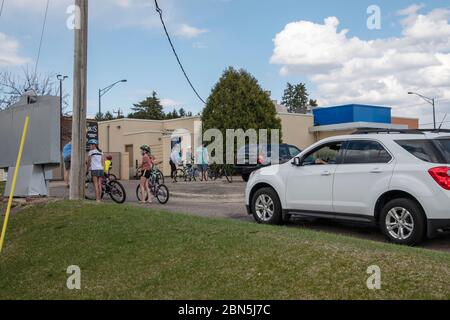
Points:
(61, 78)
(430, 101)
(102, 92)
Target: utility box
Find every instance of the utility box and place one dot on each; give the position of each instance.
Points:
(351, 113)
(41, 153)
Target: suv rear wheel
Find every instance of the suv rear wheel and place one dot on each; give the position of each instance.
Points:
(402, 221)
(266, 206)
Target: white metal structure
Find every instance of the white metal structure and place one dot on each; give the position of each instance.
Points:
(398, 180)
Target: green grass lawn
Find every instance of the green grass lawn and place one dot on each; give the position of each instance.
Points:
(126, 252)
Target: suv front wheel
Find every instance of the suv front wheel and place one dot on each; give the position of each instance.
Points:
(266, 207)
(402, 221)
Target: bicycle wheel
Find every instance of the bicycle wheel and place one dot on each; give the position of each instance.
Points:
(89, 192)
(112, 177)
(117, 192)
(211, 174)
(162, 194)
(139, 195)
(180, 175)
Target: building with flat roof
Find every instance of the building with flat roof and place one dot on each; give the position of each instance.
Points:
(123, 137)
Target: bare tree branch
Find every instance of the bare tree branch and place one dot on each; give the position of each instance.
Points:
(13, 86)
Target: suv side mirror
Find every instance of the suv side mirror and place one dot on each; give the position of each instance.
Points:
(297, 162)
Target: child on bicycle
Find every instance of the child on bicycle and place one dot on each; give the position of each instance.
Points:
(95, 165)
(146, 172)
(108, 165)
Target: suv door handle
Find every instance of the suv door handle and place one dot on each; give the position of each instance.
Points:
(376, 170)
(326, 173)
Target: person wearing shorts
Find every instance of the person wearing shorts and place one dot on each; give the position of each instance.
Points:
(202, 161)
(146, 172)
(95, 165)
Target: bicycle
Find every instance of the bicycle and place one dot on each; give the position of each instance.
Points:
(159, 191)
(216, 172)
(159, 174)
(113, 188)
(188, 172)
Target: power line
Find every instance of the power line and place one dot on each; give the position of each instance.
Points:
(42, 37)
(158, 9)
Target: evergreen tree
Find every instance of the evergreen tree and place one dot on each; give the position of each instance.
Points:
(108, 116)
(238, 102)
(150, 109)
(296, 98)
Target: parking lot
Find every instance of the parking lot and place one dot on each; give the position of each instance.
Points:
(220, 199)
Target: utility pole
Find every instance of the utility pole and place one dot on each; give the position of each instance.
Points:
(119, 113)
(78, 170)
(61, 78)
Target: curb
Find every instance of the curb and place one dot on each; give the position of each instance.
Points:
(194, 196)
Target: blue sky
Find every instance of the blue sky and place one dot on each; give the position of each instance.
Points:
(127, 41)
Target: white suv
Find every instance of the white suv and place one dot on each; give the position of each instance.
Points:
(398, 180)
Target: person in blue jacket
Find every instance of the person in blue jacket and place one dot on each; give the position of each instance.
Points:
(67, 154)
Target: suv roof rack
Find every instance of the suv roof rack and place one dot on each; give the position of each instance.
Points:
(399, 131)
(389, 131)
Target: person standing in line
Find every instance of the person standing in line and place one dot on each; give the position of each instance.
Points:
(67, 154)
(96, 165)
(146, 173)
(202, 161)
(174, 161)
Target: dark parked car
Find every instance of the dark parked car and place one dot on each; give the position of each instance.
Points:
(251, 157)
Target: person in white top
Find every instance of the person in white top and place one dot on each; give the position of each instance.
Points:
(175, 160)
(95, 165)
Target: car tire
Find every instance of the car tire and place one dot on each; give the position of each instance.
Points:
(266, 207)
(403, 222)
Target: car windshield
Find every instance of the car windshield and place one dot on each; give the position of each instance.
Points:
(444, 145)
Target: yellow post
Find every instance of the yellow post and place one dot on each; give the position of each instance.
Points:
(13, 184)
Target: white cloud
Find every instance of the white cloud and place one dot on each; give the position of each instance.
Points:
(411, 10)
(9, 55)
(349, 69)
(187, 31)
(169, 103)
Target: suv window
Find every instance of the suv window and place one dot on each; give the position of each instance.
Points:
(444, 144)
(365, 151)
(294, 151)
(327, 154)
(424, 149)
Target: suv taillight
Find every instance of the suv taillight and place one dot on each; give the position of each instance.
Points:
(442, 176)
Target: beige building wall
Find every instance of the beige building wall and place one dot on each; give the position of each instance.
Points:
(127, 135)
(295, 129)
